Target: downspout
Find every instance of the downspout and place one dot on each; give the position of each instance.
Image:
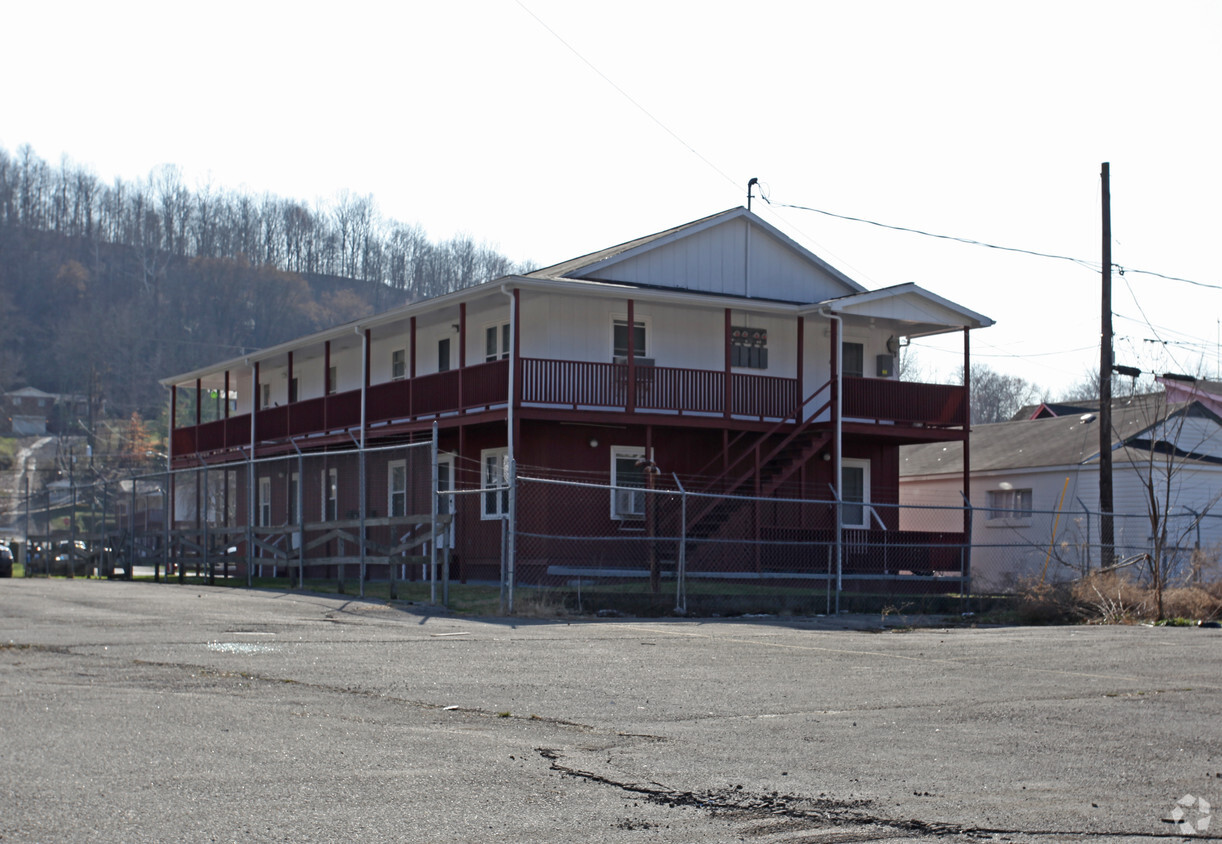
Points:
(837, 445)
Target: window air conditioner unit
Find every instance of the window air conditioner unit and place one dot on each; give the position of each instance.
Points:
(629, 503)
(639, 361)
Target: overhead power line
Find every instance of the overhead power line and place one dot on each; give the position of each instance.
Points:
(1093, 266)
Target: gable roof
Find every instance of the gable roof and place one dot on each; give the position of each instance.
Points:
(1071, 440)
(733, 252)
(923, 313)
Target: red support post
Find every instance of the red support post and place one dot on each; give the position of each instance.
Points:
(729, 389)
(631, 398)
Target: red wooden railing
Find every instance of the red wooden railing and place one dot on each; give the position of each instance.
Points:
(577, 385)
(935, 405)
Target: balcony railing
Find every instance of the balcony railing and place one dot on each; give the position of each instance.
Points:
(906, 402)
(578, 386)
(663, 389)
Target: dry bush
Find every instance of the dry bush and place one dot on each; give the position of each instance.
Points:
(1113, 598)
(1195, 602)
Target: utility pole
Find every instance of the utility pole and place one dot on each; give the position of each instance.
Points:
(1107, 538)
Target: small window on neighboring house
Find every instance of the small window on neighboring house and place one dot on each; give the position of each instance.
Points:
(16, 400)
(42, 402)
(496, 342)
(855, 493)
(265, 502)
(627, 482)
(332, 380)
(398, 364)
(619, 333)
(854, 363)
(495, 498)
(396, 488)
(443, 355)
(266, 397)
(330, 495)
(1008, 504)
(292, 390)
(749, 347)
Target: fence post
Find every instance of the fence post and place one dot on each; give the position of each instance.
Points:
(27, 520)
(504, 520)
(301, 542)
(681, 564)
(104, 553)
(71, 555)
(513, 526)
(965, 573)
(165, 532)
(205, 538)
(361, 504)
(433, 484)
(250, 504)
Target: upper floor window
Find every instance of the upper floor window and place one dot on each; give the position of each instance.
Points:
(443, 355)
(496, 342)
(749, 347)
(332, 380)
(398, 364)
(619, 338)
(265, 398)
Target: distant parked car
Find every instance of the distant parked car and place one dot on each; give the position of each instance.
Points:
(6, 561)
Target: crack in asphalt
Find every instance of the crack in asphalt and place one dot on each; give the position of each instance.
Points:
(822, 812)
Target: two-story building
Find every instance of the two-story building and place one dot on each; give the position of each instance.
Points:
(721, 351)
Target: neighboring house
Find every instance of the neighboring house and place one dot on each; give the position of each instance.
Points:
(719, 349)
(29, 412)
(1034, 486)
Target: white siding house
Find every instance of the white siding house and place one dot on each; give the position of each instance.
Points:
(1035, 489)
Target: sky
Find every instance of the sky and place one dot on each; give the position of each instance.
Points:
(549, 129)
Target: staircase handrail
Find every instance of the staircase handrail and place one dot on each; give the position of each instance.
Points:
(803, 422)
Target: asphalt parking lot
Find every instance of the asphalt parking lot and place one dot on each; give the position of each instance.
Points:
(153, 712)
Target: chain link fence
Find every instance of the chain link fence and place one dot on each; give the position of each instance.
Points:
(407, 520)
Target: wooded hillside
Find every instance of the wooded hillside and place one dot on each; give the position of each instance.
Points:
(104, 288)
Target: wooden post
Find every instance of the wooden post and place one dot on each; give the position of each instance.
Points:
(630, 399)
(728, 387)
(1107, 537)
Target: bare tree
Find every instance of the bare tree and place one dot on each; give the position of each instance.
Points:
(1163, 459)
(996, 397)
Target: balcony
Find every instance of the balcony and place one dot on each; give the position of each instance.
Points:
(577, 386)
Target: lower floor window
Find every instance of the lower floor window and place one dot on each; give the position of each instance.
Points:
(628, 482)
(494, 501)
